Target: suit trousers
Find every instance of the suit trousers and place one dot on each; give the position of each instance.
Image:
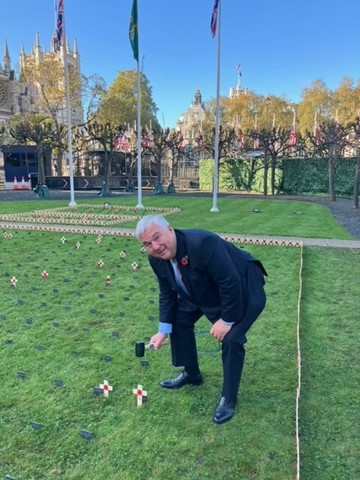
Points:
(183, 342)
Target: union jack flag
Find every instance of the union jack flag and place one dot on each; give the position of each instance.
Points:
(122, 142)
(213, 23)
(292, 138)
(59, 27)
(241, 138)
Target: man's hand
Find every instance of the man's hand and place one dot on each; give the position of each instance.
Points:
(219, 330)
(158, 340)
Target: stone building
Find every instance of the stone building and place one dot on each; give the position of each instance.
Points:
(190, 122)
(16, 97)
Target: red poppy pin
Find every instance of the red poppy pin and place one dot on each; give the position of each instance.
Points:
(185, 261)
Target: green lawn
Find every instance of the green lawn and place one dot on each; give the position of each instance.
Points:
(71, 327)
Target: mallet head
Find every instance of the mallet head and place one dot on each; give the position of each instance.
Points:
(140, 348)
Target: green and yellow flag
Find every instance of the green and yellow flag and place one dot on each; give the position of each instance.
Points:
(133, 31)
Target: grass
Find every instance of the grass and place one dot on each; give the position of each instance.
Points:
(65, 327)
(236, 215)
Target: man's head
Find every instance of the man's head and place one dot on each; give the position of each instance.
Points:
(157, 236)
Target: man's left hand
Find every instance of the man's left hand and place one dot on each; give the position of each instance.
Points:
(219, 330)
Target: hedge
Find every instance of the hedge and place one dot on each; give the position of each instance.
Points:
(299, 176)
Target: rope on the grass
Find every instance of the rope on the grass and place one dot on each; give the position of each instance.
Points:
(298, 358)
(123, 232)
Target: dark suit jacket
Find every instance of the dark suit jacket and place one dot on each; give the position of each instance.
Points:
(215, 273)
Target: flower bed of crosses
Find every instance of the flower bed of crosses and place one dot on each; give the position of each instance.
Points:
(83, 215)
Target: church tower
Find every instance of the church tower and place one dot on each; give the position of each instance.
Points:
(17, 97)
(7, 86)
(36, 56)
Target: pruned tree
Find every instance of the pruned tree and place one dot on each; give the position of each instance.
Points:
(33, 129)
(154, 143)
(355, 140)
(329, 140)
(174, 141)
(104, 134)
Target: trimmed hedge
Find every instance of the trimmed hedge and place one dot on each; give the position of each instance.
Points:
(299, 176)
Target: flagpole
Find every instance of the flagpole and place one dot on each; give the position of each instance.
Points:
(216, 159)
(68, 111)
(134, 41)
(138, 141)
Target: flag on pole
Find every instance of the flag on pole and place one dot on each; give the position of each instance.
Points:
(292, 138)
(59, 27)
(238, 69)
(213, 23)
(133, 31)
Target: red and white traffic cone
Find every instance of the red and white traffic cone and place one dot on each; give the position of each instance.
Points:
(15, 187)
(23, 184)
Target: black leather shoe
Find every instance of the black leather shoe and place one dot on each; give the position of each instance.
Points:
(224, 411)
(183, 379)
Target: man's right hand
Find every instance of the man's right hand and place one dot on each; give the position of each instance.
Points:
(158, 340)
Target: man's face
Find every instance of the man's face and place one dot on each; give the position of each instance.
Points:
(159, 242)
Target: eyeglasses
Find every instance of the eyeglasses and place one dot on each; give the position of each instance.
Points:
(156, 238)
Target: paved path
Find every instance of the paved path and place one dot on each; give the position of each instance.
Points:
(238, 238)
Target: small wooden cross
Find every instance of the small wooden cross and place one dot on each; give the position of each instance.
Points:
(140, 394)
(106, 388)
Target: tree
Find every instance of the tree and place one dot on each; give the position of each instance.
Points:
(47, 82)
(104, 134)
(275, 143)
(119, 104)
(315, 107)
(356, 143)
(174, 141)
(36, 130)
(154, 142)
(346, 102)
(329, 140)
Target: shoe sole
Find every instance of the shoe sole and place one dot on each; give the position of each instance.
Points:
(180, 386)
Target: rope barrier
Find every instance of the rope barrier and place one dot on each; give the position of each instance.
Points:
(298, 357)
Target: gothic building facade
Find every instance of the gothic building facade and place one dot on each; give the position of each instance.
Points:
(17, 97)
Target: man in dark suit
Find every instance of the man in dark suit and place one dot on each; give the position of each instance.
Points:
(199, 273)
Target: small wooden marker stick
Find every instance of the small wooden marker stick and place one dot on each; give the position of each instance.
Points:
(140, 394)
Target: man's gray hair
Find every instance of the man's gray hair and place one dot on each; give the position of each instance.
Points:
(149, 220)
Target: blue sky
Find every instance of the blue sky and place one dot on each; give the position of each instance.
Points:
(282, 46)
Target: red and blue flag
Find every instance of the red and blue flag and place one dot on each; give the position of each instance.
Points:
(59, 26)
(214, 16)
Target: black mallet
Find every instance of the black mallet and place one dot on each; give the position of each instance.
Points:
(140, 348)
